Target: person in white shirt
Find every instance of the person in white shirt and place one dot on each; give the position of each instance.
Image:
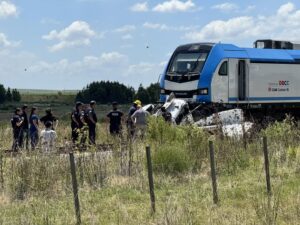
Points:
(48, 137)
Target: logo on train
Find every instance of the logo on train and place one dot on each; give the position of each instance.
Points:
(280, 86)
(284, 83)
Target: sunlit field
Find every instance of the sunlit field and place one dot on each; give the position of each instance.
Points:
(36, 188)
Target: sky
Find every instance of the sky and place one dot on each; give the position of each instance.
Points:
(67, 44)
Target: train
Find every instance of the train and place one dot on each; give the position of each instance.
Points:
(217, 76)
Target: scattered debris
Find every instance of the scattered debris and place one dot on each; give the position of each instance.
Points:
(231, 122)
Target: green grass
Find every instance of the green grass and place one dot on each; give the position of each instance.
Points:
(37, 187)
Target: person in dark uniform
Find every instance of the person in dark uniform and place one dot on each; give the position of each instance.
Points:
(17, 122)
(24, 129)
(76, 121)
(92, 121)
(49, 117)
(115, 119)
(130, 125)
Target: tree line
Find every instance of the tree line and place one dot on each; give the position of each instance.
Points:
(105, 92)
(9, 95)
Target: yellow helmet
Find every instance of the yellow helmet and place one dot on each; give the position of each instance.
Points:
(137, 102)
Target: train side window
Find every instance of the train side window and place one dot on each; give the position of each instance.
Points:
(223, 71)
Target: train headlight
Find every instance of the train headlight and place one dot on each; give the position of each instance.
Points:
(162, 91)
(203, 91)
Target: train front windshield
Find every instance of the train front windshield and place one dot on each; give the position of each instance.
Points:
(190, 62)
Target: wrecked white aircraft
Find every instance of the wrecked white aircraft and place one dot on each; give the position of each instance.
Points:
(231, 122)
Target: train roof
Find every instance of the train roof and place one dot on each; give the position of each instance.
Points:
(259, 55)
(195, 46)
(254, 54)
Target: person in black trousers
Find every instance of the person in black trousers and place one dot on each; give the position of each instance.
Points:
(16, 123)
(76, 121)
(92, 122)
(115, 120)
(24, 135)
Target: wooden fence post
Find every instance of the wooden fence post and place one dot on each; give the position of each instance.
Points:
(267, 165)
(75, 188)
(213, 172)
(150, 177)
(130, 156)
(1, 171)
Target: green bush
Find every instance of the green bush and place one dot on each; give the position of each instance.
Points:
(231, 156)
(196, 141)
(283, 132)
(282, 136)
(171, 159)
(160, 132)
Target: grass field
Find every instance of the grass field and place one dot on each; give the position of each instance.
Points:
(43, 92)
(61, 103)
(36, 188)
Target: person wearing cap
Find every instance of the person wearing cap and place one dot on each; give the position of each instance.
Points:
(17, 122)
(139, 119)
(115, 119)
(76, 121)
(92, 122)
(130, 125)
(48, 136)
(34, 127)
(49, 117)
(25, 128)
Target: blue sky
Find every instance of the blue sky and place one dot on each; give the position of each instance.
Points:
(66, 44)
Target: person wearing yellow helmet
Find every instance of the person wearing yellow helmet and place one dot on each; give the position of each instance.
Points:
(133, 108)
(137, 102)
(139, 119)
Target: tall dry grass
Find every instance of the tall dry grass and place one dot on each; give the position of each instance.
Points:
(113, 189)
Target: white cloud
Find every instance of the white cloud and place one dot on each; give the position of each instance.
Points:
(112, 57)
(7, 9)
(284, 24)
(174, 6)
(74, 74)
(164, 27)
(87, 63)
(78, 33)
(226, 7)
(156, 26)
(127, 37)
(67, 74)
(285, 9)
(4, 42)
(125, 28)
(143, 69)
(140, 7)
(218, 30)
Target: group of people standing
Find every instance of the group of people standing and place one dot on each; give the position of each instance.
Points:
(81, 119)
(26, 128)
(83, 125)
(84, 119)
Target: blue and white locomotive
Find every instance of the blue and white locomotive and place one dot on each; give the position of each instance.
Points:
(229, 76)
